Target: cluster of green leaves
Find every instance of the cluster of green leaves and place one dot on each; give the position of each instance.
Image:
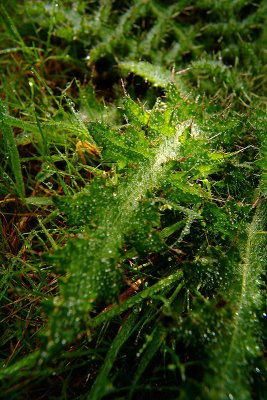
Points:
(134, 232)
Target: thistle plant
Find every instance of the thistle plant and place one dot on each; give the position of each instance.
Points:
(133, 195)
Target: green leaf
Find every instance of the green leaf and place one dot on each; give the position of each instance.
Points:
(157, 75)
(230, 363)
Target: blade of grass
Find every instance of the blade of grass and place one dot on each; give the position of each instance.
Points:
(117, 309)
(13, 32)
(155, 341)
(12, 152)
(102, 386)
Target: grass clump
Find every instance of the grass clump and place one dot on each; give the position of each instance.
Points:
(133, 199)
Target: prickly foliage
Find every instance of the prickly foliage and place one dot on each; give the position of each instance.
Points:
(133, 184)
(111, 213)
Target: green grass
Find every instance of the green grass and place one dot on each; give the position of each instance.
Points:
(133, 199)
